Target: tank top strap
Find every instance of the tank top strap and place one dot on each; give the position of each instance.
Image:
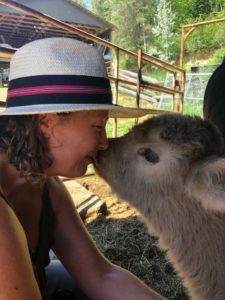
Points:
(41, 258)
(4, 197)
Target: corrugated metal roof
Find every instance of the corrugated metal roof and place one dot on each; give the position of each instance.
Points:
(16, 28)
(65, 10)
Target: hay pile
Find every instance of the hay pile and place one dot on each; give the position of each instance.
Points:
(123, 238)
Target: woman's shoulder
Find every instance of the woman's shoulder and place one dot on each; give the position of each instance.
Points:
(16, 277)
(9, 224)
(58, 193)
(56, 185)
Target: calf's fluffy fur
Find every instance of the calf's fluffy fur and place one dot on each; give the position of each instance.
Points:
(172, 169)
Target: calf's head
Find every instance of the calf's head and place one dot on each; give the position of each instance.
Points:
(167, 153)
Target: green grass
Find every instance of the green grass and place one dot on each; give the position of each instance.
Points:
(3, 92)
(191, 107)
(123, 126)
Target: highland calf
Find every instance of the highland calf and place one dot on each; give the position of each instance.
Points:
(172, 169)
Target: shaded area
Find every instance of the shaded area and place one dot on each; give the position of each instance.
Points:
(127, 243)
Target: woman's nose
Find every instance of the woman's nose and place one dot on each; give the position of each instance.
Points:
(103, 144)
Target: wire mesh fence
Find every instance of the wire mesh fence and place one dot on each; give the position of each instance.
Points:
(195, 85)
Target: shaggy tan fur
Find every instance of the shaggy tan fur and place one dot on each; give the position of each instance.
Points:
(171, 168)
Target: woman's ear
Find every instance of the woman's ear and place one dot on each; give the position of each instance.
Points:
(47, 125)
(45, 122)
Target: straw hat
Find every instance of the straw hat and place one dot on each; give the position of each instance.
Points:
(60, 75)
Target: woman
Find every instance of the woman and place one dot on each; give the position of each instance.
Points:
(58, 103)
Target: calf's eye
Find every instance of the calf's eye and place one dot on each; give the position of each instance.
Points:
(149, 155)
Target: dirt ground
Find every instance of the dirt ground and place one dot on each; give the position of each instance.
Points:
(122, 237)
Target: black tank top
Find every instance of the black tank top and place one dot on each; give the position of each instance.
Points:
(40, 258)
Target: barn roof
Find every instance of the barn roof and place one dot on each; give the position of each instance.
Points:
(17, 28)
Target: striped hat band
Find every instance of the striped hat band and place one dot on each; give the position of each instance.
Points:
(59, 89)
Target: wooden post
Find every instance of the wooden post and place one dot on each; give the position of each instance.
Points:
(139, 77)
(139, 80)
(181, 96)
(173, 96)
(182, 41)
(116, 91)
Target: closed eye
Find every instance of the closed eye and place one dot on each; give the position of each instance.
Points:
(99, 128)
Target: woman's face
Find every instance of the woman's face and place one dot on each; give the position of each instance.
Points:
(73, 140)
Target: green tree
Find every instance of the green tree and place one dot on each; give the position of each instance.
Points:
(217, 5)
(80, 2)
(164, 28)
(183, 11)
(133, 20)
(102, 8)
(201, 8)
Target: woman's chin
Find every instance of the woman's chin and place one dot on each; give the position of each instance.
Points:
(76, 171)
(81, 171)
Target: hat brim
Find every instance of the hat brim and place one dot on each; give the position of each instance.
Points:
(115, 111)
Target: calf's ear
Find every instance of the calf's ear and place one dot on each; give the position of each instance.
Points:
(206, 183)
